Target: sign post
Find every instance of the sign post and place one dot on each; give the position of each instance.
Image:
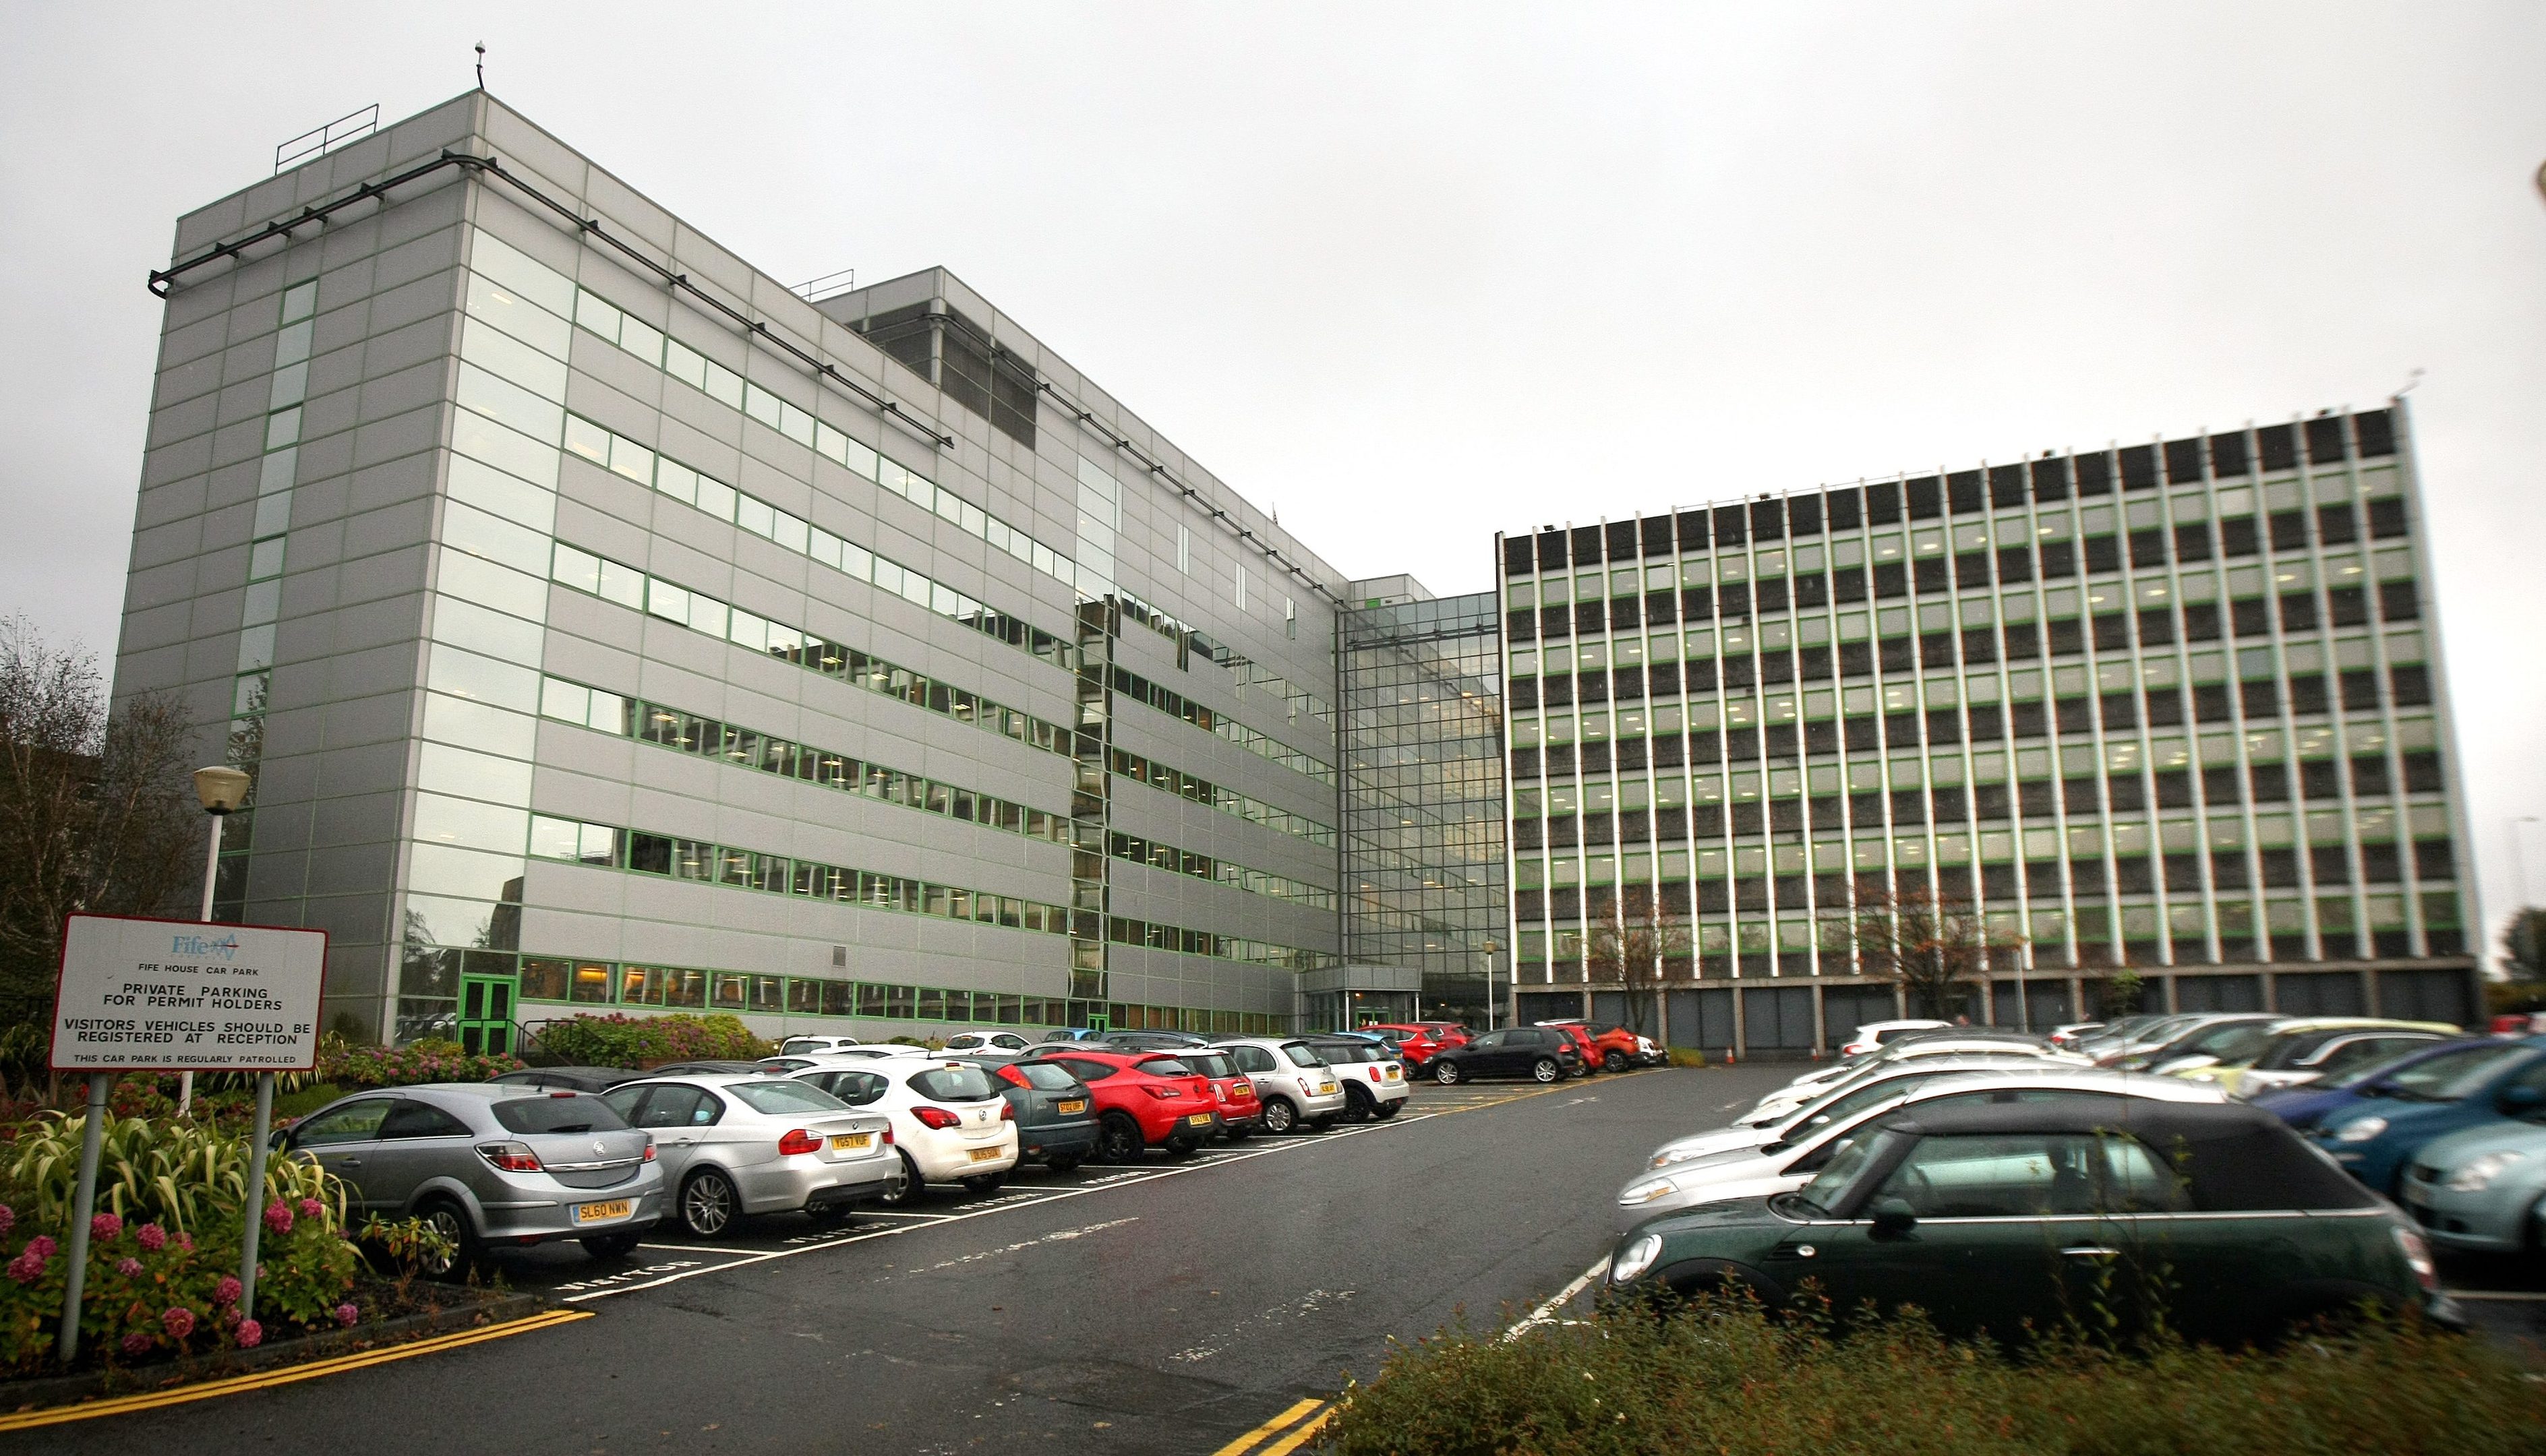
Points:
(178, 995)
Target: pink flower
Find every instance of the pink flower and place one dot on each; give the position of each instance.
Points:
(178, 1321)
(136, 1343)
(226, 1291)
(250, 1335)
(312, 1208)
(42, 1247)
(154, 1237)
(105, 1226)
(278, 1216)
(128, 1267)
(27, 1267)
(185, 1241)
(7, 1218)
(346, 1314)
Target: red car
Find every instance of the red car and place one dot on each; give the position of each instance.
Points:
(1416, 1041)
(1143, 1100)
(1242, 1115)
(1610, 1047)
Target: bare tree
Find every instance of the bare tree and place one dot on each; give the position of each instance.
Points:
(1628, 949)
(1931, 945)
(96, 811)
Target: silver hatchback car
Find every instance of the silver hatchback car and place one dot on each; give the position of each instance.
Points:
(1292, 1081)
(740, 1145)
(488, 1164)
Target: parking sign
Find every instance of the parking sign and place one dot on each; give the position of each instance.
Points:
(178, 995)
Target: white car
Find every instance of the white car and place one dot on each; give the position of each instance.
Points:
(1375, 1085)
(1781, 1167)
(733, 1145)
(950, 1122)
(988, 1044)
(1875, 1034)
(1837, 1102)
(1777, 1105)
(1291, 1081)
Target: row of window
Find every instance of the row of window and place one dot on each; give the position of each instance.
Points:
(2229, 456)
(1219, 797)
(642, 852)
(1175, 705)
(1134, 849)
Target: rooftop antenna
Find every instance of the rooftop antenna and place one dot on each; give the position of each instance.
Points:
(2412, 379)
(481, 65)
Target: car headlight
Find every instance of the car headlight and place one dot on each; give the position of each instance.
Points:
(2479, 1174)
(1669, 1155)
(1635, 1258)
(2360, 1131)
(1637, 1195)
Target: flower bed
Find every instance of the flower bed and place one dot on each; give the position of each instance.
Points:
(362, 1068)
(618, 1040)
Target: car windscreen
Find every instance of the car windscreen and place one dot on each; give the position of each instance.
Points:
(1208, 1064)
(1361, 1052)
(2452, 1075)
(1302, 1055)
(577, 1112)
(2230, 1043)
(953, 1084)
(1848, 1159)
(2293, 1049)
(784, 1099)
(1045, 1077)
(1164, 1067)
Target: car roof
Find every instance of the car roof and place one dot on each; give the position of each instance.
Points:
(621, 1072)
(2112, 1079)
(2235, 1155)
(484, 1091)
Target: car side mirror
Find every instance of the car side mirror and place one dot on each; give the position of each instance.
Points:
(1894, 1217)
(2519, 1101)
(280, 1140)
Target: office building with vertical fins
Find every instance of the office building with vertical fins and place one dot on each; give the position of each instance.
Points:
(609, 628)
(2172, 707)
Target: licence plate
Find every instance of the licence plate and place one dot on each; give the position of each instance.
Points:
(984, 1155)
(1074, 1105)
(851, 1142)
(1200, 1120)
(1325, 1088)
(1394, 1075)
(586, 1213)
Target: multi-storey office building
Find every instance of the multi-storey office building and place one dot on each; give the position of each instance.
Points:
(1423, 803)
(609, 628)
(2174, 706)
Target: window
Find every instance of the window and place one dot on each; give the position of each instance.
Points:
(421, 1120)
(1254, 1059)
(1303, 1055)
(953, 1084)
(784, 1099)
(1997, 1176)
(1043, 1076)
(857, 1088)
(2136, 1181)
(669, 1104)
(576, 1114)
(357, 1122)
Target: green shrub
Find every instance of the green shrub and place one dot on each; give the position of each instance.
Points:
(362, 1068)
(618, 1040)
(1687, 1056)
(184, 1174)
(1728, 1379)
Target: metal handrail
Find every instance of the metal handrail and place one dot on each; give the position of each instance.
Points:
(815, 290)
(327, 138)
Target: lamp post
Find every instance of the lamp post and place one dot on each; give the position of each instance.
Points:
(221, 790)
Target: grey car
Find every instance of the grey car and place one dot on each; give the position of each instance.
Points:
(490, 1163)
(1292, 1082)
(736, 1146)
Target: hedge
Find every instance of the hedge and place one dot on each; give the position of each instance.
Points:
(362, 1068)
(617, 1040)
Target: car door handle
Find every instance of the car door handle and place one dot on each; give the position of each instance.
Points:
(2090, 1250)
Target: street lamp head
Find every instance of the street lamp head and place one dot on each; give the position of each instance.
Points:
(221, 789)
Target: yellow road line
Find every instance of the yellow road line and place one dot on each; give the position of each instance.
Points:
(1293, 1441)
(268, 1379)
(1301, 1411)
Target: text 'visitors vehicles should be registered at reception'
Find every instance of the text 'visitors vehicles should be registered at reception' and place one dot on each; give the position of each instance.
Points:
(179, 995)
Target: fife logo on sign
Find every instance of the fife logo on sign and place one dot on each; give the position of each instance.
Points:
(223, 948)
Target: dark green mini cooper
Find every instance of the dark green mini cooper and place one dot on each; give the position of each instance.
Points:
(1995, 1216)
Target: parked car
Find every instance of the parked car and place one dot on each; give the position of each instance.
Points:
(1054, 1113)
(1242, 1113)
(1875, 1034)
(490, 1163)
(949, 1122)
(1959, 1043)
(1998, 1217)
(857, 1051)
(1374, 1081)
(1292, 1083)
(2482, 1191)
(710, 1067)
(2304, 1049)
(733, 1146)
(2113, 1032)
(2217, 1030)
(2304, 1107)
(1070, 1034)
(1418, 1040)
(1614, 1048)
(799, 1045)
(1149, 1041)
(1539, 1053)
(572, 1078)
(2153, 1034)
(1143, 1100)
(1578, 1036)
(2418, 1105)
(1838, 1102)
(1775, 1168)
(1000, 1043)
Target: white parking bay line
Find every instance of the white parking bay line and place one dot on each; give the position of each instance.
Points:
(2507, 1296)
(1546, 1314)
(702, 1248)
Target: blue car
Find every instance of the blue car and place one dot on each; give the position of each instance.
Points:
(2404, 1109)
(2303, 1107)
(2482, 1190)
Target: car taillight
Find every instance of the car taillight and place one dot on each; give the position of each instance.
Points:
(1374, 1074)
(888, 1137)
(510, 1157)
(936, 1117)
(798, 1141)
(1007, 1111)
(650, 1150)
(1161, 1092)
(2418, 1256)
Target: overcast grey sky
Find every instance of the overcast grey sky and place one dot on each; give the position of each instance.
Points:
(1413, 272)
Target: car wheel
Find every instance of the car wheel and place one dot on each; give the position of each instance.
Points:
(611, 1245)
(1356, 1103)
(1280, 1117)
(1613, 1062)
(1320, 1125)
(987, 1182)
(829, 1215)
(1118, 1139)
(709, 1203)
(1182, 1148)
(1446, 1073)
(1386, 1110)
(450, 1221)
(1545, 1070)
(908, 1191)
(1237, 1134)
(1064, 1163)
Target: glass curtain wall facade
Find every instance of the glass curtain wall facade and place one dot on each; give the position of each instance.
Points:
(1424, 804)
(2174, 706)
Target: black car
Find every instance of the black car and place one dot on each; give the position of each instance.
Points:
(2003, 1216)
(1055, 1112)
(1534, 1052)
(570, 1079)
(1148, 1041)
